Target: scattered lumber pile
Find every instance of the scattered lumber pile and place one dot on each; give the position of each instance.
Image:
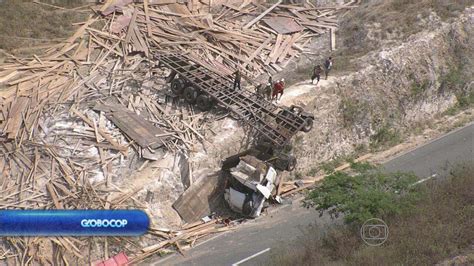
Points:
(255, 37)
(60, 152)
(185, 238)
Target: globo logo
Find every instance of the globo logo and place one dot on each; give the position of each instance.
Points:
(103, 223)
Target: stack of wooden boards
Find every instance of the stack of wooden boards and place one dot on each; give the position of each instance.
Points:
(57, 152)
(255, 37)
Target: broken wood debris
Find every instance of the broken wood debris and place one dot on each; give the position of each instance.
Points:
(137, 128)
(58, 153)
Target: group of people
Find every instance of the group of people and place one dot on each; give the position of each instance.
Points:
(273, 91)
(318, 70)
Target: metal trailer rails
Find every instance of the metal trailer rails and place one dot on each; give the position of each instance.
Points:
(204, 87)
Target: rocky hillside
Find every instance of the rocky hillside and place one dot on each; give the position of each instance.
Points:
(394, 88)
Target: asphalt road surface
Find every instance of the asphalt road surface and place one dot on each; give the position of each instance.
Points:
(254, 241)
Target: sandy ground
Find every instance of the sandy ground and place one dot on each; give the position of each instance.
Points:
(303, 92)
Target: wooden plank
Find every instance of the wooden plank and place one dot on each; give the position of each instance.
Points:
(53, 195)
(200, 198)
(280, 50)
(288, 47)
(15, 116)
(259, 50)
(147, 17)
(283, 25)
(255, 20)
(275, 49)
(138, 129)
(333, 39)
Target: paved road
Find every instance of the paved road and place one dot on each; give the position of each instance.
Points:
(438, 156)
(254, 241)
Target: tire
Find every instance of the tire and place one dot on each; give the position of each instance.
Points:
(204, 102)
(177, 86)
(291, 164)
(308, 125)
(191, 94)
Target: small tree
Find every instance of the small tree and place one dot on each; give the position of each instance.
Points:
(366, 193)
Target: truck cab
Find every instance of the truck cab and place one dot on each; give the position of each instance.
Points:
(249, 183)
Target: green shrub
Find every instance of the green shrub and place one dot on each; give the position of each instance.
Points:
(435, 228)
(366, 194)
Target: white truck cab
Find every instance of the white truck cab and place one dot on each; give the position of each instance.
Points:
(250, 183)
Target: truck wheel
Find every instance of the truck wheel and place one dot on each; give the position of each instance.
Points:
(204, 102)
(177, 86)
(291, 164)
(191, 94)
(308, 124)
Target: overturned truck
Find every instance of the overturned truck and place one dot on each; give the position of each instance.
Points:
(249, 182)
(206, 88)
(250, 178)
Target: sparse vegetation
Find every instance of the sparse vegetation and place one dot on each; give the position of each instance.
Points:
(330, 166)
(360, 149)
(404, 17)
(352, 110)
(464, 101)
(385, 136)
(437, 227)
(298, 175)
(38, 25)
(313, 171)
(418, 87)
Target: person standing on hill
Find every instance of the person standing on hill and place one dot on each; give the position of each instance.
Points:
(327, 66)
(316, 74)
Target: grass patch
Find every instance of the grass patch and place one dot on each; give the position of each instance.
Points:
(459, 81)
(437, 227)
(464, 101)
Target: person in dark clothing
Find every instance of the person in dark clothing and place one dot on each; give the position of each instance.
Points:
(237, 79)
(327, 66)
(268, 91)
(316, 74)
